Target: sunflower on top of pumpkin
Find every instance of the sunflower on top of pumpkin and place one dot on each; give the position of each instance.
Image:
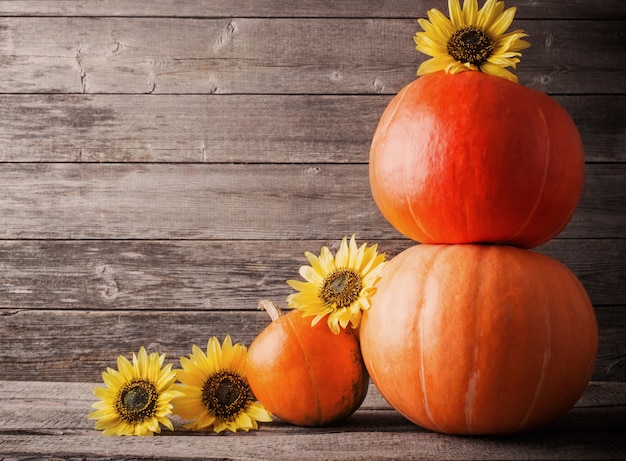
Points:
(471, 39)
(338, 286)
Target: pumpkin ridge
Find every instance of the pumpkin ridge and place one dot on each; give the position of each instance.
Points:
(409, 202)
(546, 362)
(400, 97)
(423, 381)
(592, 318)
(373, 370)
(547, 353)
(470, 397)
(309, 368)
(478, 295)
(416, 220)
(437, 254)
(544, 177)
(398, 103)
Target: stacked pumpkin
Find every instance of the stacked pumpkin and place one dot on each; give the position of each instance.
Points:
(470, 332)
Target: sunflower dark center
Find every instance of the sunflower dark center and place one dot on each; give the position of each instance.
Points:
(470, 44)
(136, 401)
(226, 394)
(342, 288)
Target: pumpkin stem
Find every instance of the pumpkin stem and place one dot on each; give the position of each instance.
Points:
(271, 308)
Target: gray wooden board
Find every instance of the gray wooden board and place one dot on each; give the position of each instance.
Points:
(226, 201)
(221, 275)
(44, 418)
(76, 345)
(270, 56)
(237, 128)
(605, 9)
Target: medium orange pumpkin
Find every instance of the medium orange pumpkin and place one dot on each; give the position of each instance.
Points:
(306, 375)
(472, 157)
(479, 339)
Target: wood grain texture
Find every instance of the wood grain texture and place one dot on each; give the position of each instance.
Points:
(237, 128)
(75, 398)
(576, 9)
(273, 56)
(77, 345)
(220, 275)
(50, 417)
(339, 444)
(224, 201)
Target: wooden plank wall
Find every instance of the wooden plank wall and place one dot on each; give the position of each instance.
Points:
(164, 165)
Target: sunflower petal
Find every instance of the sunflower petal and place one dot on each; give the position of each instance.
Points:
(502, 23)
(498, 71)
(470, 12)
(309, 274)
(439, 34)
(456, 14)
(435, 64)
(488, 13)
(440, 21)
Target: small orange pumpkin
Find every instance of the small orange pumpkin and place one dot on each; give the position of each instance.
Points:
(306, 375)
(479, 339)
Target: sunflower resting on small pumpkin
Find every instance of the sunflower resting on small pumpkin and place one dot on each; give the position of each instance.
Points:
(338, 287)
(137, 397)
(471, 39)
(215, 391)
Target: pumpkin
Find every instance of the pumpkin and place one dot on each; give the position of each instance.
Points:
(479, 339)
(306, 375)
(475, 158)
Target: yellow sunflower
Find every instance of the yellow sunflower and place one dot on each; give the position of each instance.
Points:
(216, 393)
(338, 287)
(137, 397)
(471, 39)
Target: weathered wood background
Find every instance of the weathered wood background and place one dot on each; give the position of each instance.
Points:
(164, 165)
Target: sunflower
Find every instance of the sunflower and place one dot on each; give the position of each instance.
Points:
(216, 393)
(471, 39)
(137, 397)
(338, 287)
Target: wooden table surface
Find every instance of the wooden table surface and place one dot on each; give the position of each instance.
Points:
(165, 165)
(49, 419)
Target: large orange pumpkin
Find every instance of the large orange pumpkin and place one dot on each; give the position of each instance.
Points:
(472, 157)
(306, 375)
(479, 339)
